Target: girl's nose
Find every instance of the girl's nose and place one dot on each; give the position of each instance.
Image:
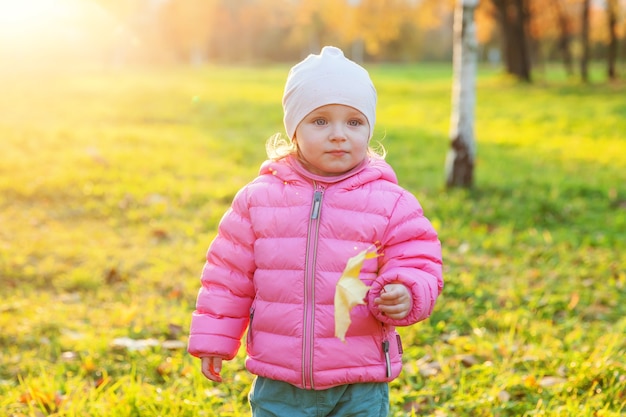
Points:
(338, 132)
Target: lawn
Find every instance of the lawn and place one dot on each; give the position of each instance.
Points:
(112, 185)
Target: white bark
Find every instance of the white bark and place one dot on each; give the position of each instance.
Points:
(460, 160)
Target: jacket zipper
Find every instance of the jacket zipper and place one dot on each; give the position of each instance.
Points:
(387, 359)
(385, 345)
(309, 288)
(250, 325)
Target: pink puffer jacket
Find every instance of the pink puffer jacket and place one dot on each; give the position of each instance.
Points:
(278, 255)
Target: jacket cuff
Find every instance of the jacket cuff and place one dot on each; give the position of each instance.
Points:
(420, 307)
(201, 346)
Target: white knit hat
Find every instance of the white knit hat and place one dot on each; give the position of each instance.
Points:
(327, 78)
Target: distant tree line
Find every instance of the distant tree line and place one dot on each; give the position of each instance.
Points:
(519, 33)
(533, 31)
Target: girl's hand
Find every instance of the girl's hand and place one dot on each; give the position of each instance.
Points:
(394, 301)
(211, 368)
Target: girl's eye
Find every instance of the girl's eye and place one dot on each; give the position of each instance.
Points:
(319, 122)
(355, 122)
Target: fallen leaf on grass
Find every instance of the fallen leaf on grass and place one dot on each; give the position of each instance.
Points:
(175, 293)
(48, 401)
(187, 371)
(159, 234)
(530, 381)
(427, 366)
(214, 393)
(133, 344)
(89, 365)
(175, 330)
(550, 381)
(429, 369)
(468, 360)
(142, 344)
(113, 276)
(165, 368)
(102, 381)
(573, 302)
(69, 356)
(504, 396)
(35, 395)
(350, 291)
(174, 344)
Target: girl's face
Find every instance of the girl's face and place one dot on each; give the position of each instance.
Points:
(332, 139)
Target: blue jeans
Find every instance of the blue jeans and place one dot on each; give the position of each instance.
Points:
(270, 398)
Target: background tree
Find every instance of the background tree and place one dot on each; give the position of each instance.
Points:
(584, 40)
(551, 30)
(514, 16)
(377, 22)
(312, 20)
(565, 36)
(462, 152)
(612, 48)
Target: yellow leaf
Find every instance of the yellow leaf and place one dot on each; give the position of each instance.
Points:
(350, 291)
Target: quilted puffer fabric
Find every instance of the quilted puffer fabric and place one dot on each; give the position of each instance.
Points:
(274, 264)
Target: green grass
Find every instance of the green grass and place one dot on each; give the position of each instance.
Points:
(111, 187)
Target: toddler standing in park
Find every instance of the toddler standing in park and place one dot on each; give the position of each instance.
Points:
(322, 197)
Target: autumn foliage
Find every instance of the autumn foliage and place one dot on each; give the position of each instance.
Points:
(400, 30)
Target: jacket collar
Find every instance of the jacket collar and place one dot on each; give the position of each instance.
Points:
(371, 169)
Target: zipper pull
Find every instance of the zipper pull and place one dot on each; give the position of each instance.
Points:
(387, 359)
(250, 325)
(317, 202)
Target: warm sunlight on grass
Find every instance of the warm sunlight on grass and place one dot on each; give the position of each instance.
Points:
(112, 185)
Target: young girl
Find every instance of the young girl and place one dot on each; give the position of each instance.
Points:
(323, 197)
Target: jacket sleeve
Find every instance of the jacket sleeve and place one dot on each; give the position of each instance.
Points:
(223, 303)
(411, 255)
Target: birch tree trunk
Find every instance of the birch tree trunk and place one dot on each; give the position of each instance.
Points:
(462, 152)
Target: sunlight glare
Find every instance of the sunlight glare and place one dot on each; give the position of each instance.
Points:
(25, 15)
(44, 33)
